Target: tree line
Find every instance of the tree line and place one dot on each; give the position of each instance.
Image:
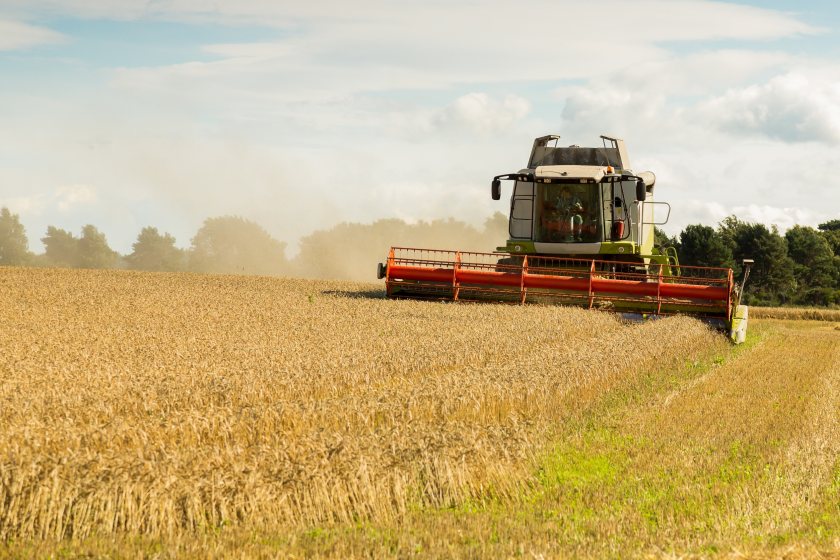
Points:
(801, 267)
(234, 245)
(227, 244)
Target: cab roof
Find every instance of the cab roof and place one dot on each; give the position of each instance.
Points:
(593, 173)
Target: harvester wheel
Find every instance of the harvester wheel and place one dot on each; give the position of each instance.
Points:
(381, 270)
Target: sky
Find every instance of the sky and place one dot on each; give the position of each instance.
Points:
(301, 115)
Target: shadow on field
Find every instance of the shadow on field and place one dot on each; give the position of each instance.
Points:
(356, 294)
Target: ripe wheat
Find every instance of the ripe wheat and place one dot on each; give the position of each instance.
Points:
(164, 404)
(803, 313)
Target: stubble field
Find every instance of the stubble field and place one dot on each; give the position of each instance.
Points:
(177, 415)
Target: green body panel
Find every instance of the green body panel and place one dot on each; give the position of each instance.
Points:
(666, 257)
(526, 247)
(520, 247)
(619, 248)
(738, 327)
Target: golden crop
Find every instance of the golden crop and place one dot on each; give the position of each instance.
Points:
(804, 313)
(165, 404)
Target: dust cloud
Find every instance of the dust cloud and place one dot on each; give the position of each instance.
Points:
(351, 251)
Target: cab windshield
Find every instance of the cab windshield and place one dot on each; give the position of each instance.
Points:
(568, 213)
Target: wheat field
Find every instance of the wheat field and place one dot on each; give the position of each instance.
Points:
(211, 415)
(804, 313)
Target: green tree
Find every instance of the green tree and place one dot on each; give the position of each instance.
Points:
(662, 239)
(61, 248)
(153, 251)
(231, 244)
(703, 246)
(831, 225)
(772, 280)
(94, 251)
(813, 257)
(830, 231)
(14, 246)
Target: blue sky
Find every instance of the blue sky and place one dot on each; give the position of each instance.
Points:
(300, 115)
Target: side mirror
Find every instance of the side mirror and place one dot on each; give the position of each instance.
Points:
(641, 191)
(496, 189)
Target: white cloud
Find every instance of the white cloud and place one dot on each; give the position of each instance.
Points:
(686, 20)
(783, 218)
(481, 113)
(326, 52)
(670, 100)
(16, 35)
(689, 76)
(365, 113)
(24, 205)
(711, 213)
(592, 110)
(64, 198)
(68, 197)
(794, 107)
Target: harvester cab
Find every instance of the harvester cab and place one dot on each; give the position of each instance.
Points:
(575, 201)
(581, 232)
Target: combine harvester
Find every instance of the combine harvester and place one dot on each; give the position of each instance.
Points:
(581, 233)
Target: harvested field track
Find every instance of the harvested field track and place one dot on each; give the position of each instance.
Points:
(177, 414)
